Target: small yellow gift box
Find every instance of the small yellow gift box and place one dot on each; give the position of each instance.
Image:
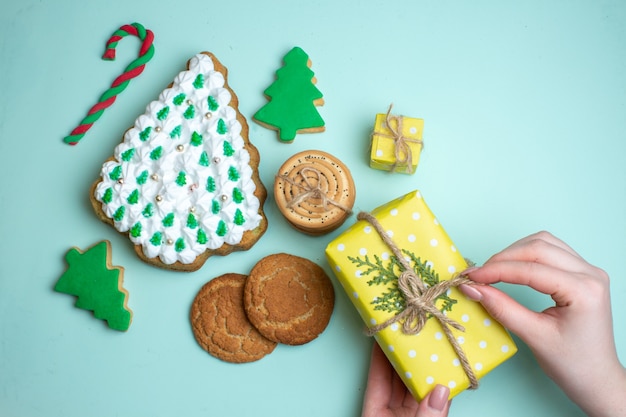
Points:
(369, 270)
(396, 143)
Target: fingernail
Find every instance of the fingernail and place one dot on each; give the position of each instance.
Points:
(438, 397)
(469, 270)
(470, 292)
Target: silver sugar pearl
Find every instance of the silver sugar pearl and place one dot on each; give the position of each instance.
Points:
(154, 177)
(224, 197)
(217, 160)
(120, 180)
(208, 115)
(158, 198)
(180, 148)
(189, 102)
(157, 129)
(170, 242)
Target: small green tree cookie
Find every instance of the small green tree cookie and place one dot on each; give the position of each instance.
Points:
(293, 99)
(97, 284)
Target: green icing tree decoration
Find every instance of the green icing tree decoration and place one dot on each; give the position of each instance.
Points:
(116, 173)
(156, 153)
(133, 198)
(179, 99)
(175, 133)
(181, 179)
(221, 229)
(212, 103)
(198, 82)
(237, 195)
(239, 219)
(233, 174)
(221, 127)
(145, 134)
(201, 237)
(228, 149)
(128, 155)
(156, 239)
(162, 114)
(97, 285)
(143, 177)
(192, 222)
(293, 98)
(210, 185)
(108, 195)
(392, 300)
(204, 159)
(135, 231)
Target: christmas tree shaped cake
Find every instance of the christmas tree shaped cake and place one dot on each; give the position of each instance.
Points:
(293, 98)
(97, 285)
(184, 183)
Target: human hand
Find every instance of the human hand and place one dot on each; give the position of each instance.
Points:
(387, 396)
(573, 341)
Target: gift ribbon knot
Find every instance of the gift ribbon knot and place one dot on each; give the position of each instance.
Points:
(312, 189)
(420, 302)
(402, 154)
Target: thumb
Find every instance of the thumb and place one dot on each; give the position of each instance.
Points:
(504, 309)
(436, 403)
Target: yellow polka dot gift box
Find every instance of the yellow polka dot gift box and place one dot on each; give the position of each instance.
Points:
(396, 143)
(401, 271)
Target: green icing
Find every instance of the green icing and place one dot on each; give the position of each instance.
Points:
(142, 178)
(148, 211)
(119, 213)
(192, 222)
(180, 246)
(156, 153)
(179, 99)
(175, 133)
(221, 229)
(198, 82)
(181, 179)
(144, 135)
(128, 155)
(196, 139)
(168, 221)
(201, 237)
(162, 114)
(233, 174)
(293, 97)
(212, 102)
(135, 231)
(239, 219)
(215, 207)
(204, 159)
(210, 185)
(156, 239)
(237, 195)
(133, 198)
(116, 173)
(189, 113)
(228, 149)
(97, 285)
(221, 127)
(107, 197)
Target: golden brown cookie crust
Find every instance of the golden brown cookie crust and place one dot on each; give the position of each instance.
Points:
(220, 325)
(289, 299)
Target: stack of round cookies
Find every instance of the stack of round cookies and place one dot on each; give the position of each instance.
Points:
(285, 299)
(315, 192)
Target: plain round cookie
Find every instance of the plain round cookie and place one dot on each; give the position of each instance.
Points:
(220, 325)
(288, 299)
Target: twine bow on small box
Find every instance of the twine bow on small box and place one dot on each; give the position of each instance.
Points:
(420, 301)
(403, 155)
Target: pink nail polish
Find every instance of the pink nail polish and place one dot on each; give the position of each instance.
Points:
(469, 270)
(470, 292)
(438, 397)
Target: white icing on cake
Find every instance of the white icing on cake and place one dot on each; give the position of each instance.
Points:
(180, 182)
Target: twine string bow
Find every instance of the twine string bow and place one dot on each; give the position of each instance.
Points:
(311, 187)
(420, 302)
(402, 154)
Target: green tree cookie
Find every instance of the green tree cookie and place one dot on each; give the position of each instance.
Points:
(97, 284)
(293, 99)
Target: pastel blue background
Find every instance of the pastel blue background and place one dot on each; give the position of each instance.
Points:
(525, 127)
